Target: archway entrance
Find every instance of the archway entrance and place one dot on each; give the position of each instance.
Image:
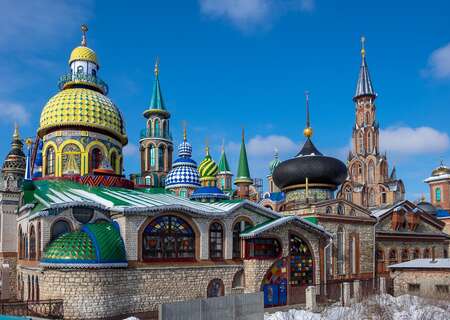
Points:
(287, 279)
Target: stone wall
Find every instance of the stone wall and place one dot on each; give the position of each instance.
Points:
(12, 262)
(427, 279)
(98, 293)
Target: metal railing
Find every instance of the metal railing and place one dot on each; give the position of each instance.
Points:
(82, 77)
(50, 309)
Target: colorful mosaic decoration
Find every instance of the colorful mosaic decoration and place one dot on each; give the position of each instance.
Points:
(277, 273)
(301, 263)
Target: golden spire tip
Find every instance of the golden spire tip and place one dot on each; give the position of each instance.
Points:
(157, 66)
(363, 49)
(184, 131)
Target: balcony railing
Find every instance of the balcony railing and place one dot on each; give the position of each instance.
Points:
(147, 133)
(82, 78)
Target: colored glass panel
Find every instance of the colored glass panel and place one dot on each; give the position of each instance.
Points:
(301, 262)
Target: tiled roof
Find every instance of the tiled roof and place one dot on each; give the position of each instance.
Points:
(423, 264)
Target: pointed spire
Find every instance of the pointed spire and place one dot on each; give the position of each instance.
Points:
(16, 131)
(243, 173)
(393, 174)
(224, 167)
(184, 131)
(84, 29)
(364, 85)
(308, 131)
(206, 148)
(157, 101)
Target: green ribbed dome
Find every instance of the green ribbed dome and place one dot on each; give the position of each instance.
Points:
(96, 245)
(274, 163)
(208, 168)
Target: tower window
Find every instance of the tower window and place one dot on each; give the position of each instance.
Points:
(438, 194)
(152, 156)
(50, 168)
(80, 69)
(157, 132)
(94, 72)
(361, 143)
(96, 159)
(161, 151)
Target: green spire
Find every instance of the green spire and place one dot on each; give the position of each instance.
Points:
(243, 173)
(157, 98)
(223, 164)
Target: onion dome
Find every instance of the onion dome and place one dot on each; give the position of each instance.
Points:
(208, 168)
(94, 246)
(364, 85)
(274, 163)
(243, 173)
(82, 103)
(309, 166)
(208, 194)
(15, 161)
(184, 171)
(441, 170)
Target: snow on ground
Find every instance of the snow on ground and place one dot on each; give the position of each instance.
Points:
(380, 307)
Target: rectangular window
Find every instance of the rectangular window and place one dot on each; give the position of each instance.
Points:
(413, 287)
(442, 289)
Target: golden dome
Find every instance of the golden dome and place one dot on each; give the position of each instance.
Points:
(85, 108)
(441, 170)
(83, 53)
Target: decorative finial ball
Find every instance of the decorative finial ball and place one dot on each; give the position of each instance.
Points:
(84, 28)
(308, 132)
(28, 142)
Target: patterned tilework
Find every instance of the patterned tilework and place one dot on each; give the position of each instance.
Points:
(83, 53)
(82, 107)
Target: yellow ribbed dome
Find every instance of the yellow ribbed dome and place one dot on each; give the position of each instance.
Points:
(83, 53)
(85, 108)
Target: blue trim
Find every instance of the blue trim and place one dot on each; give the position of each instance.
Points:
(94, 242)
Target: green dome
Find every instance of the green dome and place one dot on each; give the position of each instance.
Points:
(274, 163)
(95, 246)
(208, 168)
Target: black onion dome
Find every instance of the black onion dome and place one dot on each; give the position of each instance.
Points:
(310, 163)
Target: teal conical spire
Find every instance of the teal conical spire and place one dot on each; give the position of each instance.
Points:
(224, 167)
(157, 103)
(243, 173)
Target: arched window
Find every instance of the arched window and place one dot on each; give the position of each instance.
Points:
(168, 238)
(80, 69)
(96, 159)
(302, 270)
(392, 256)
(215, 288)
(237, 229)
(50, 162)
(405, 255)
(32, 243)
(438, 194)
(161, 156)
(216, 241)
(371, 174)
(152, 156)
(113, 162)
(157, 129)
(367, 119)
(416, 253)
(426, 253)
(71, 159)
(348, 194)
(360, 142)
(238, 280)
(340, 250)
(329, 210)
(369, 141)
(341, 209)
(59, 228)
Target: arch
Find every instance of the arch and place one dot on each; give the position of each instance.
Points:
(114, 160)
(329, 210)
(168, 238)
(360, 142)
(239, 225)
(369, 141)
(371, 172)
(148, 180)
(405, 255)
(216, 240)
(157, 129)
(95, 159)
(301, 274)
(340, 209)
(215, 288)
(32, 247)
(82, 214)
(161, 156)
(392, 256)
(58, 228)
(348, 193)
(367, 118)
(50, 161)
(71, 151)
(151, 156)
(163, 128)
(340, 252)
(238, 280)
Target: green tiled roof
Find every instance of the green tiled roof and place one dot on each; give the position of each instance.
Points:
(223, 163)
(96, 245)
(243, 173)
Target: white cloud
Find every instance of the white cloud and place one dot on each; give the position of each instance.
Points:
(14, 112)
(260, 146)
(408, 141)
(131, 150)
(247, 14)
(439, 63)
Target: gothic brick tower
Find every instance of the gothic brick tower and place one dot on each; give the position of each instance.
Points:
(156, 145)
(369, 183)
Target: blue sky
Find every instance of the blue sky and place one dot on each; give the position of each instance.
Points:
(228, 64)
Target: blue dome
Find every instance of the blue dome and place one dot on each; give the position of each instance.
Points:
(184, 171)
(210, 193)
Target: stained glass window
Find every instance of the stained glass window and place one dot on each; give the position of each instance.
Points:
(301, 262)
(96, 159)
(216, 241)
(168, 237)
(71, 159)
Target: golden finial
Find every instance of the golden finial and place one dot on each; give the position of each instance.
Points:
(28, 142)
(184, 131)
(84, 29)
(308, 131)
(157, 67)
(363, 49)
